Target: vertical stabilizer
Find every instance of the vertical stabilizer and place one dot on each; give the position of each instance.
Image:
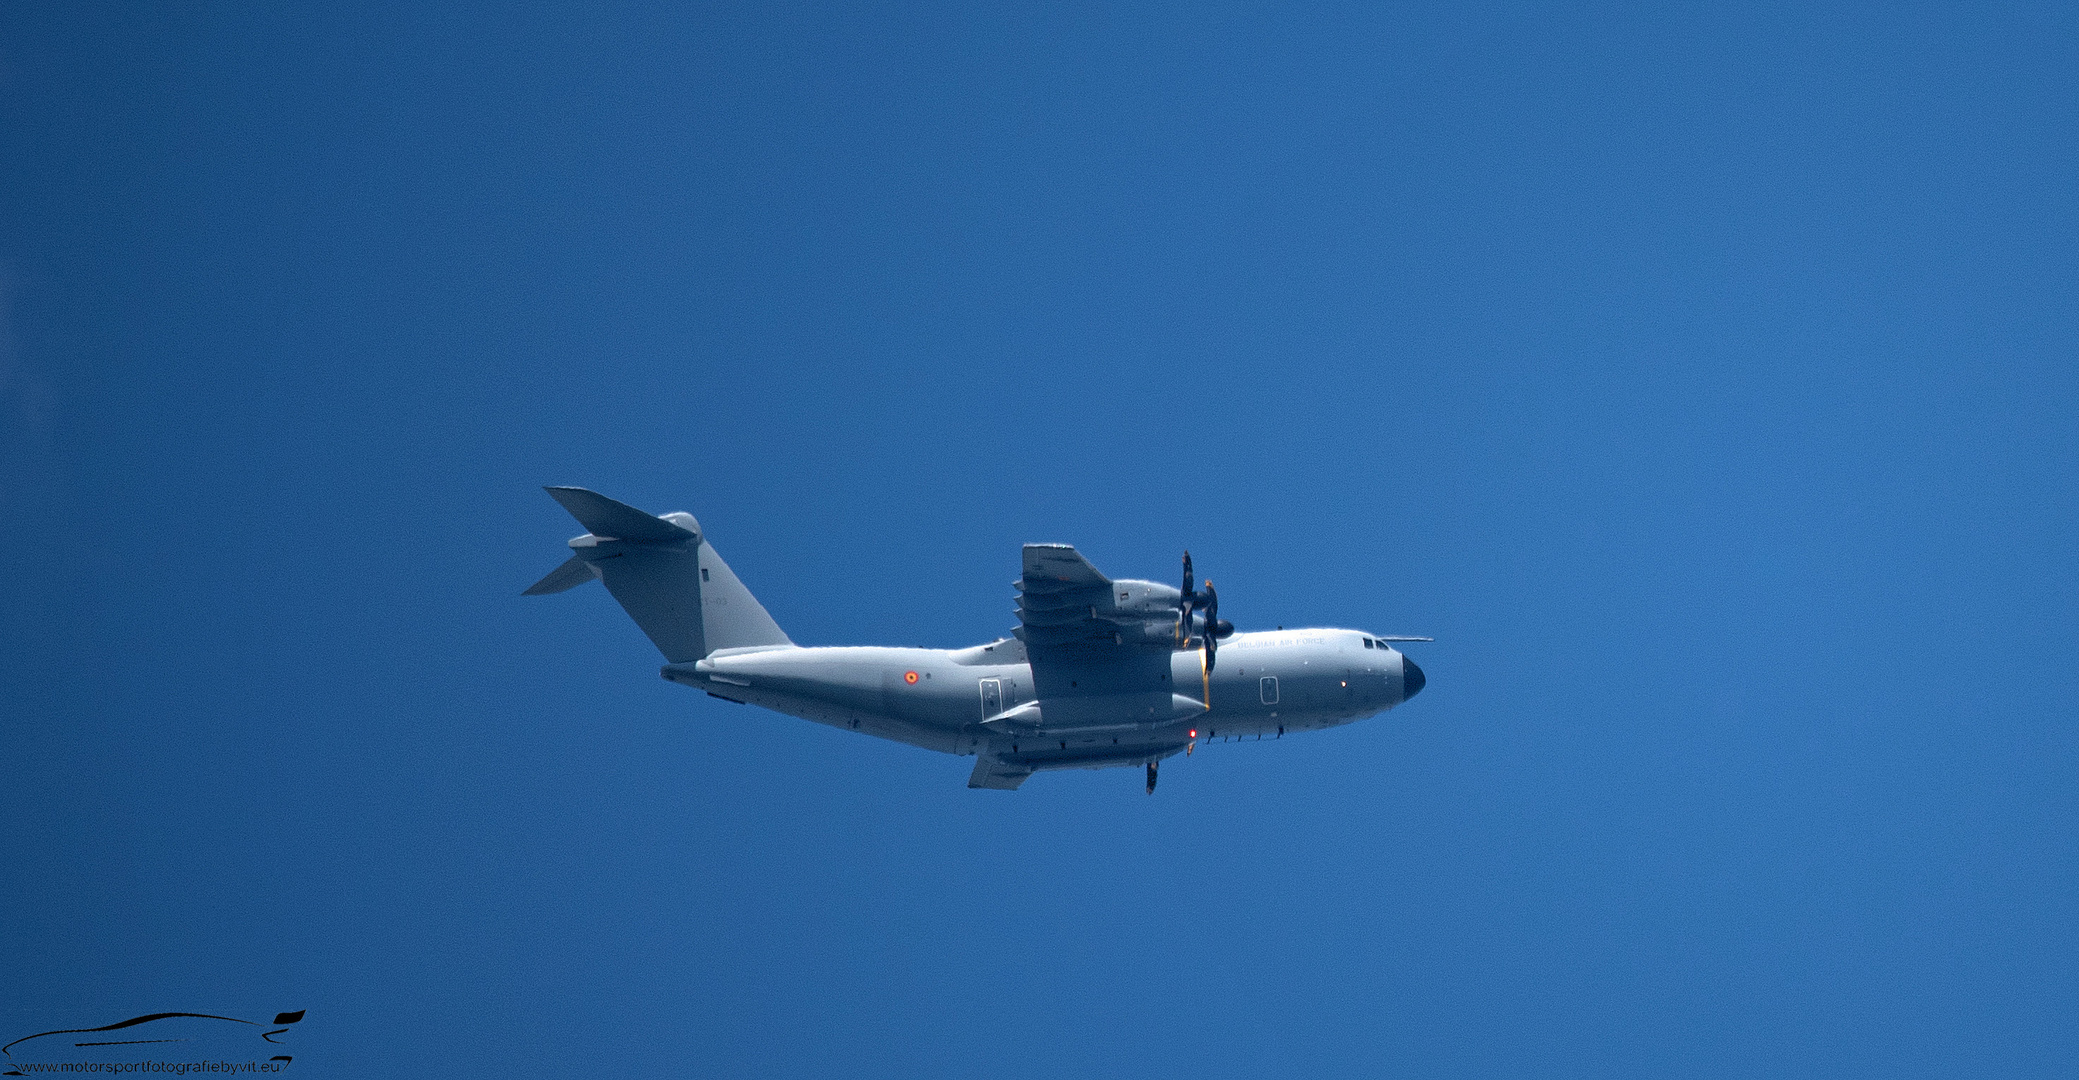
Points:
(665, 575)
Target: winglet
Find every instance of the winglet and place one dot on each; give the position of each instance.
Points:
(606, 517)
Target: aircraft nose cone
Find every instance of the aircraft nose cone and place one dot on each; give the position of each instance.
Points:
(1411, 679)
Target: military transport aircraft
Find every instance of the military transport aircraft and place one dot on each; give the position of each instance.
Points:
(1099, 673)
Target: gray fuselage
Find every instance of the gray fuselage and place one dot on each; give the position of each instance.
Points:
(962, 701)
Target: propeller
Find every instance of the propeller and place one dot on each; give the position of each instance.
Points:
(1208, 603)
(1184, 605)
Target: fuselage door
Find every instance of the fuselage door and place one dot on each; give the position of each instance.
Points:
(992, 697)
(1268, 689)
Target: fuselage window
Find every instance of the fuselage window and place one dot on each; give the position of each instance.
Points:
(1268, 689)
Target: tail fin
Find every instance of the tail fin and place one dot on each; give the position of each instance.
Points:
(665, 575)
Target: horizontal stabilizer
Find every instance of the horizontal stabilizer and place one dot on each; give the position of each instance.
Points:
(573, 573)
(606, 517)
(665, 574)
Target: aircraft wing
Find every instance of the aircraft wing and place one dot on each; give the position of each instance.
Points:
(1059, 597)
(992, 771)
(1080, 642)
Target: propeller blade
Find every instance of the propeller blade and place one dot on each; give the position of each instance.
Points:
(1207, 603)
(1184, 605)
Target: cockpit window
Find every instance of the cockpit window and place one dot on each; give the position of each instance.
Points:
(1368, 643)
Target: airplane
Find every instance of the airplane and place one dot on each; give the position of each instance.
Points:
(1098, 674)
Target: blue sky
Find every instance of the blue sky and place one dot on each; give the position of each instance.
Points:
(1701, 377)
